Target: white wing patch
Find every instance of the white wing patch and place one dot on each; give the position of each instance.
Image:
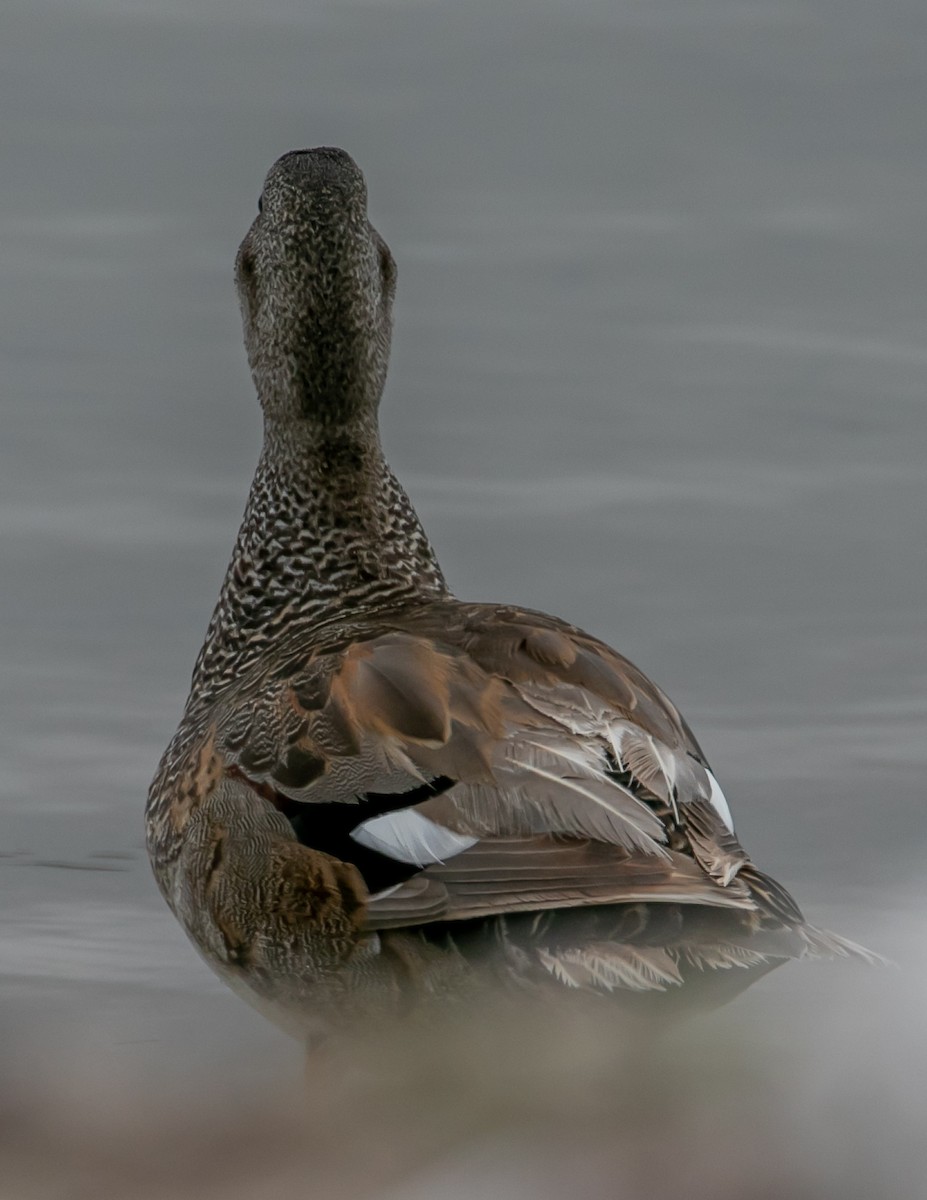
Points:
(409, 837)
(718, 802)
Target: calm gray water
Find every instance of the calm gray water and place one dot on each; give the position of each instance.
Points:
(659, 368)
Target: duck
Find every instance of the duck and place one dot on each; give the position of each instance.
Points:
(382, 798)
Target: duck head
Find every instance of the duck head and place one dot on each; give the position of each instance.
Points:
(316, 282)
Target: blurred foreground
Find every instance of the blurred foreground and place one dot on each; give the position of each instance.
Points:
(810, 1086)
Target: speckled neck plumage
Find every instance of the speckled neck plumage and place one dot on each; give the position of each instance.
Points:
(327, 528)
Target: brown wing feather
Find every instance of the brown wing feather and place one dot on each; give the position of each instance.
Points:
(400, 708)
(715, 847)
(508, 875)
(418, 901)
(517, 707)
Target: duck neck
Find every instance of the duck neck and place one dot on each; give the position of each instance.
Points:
(327, 530)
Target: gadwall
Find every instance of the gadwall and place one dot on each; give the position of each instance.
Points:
(381, 796)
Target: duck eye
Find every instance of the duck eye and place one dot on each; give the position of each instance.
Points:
(260, 204)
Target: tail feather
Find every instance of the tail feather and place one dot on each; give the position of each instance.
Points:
(723, 956)
(689, 966)
(821, 943)
(609, 965)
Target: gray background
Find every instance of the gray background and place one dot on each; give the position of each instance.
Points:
(659, 368)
